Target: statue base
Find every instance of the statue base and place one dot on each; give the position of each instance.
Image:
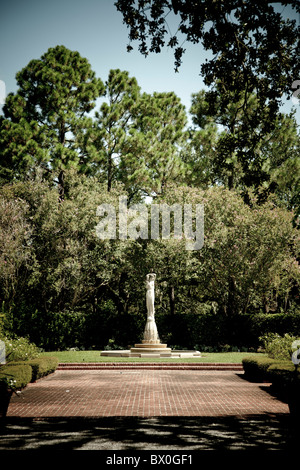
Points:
(165, 353)
(150, 347)
(151, 350)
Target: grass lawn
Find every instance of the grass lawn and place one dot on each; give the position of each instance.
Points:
(94, 356)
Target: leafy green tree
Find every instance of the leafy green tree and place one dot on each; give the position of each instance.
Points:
(199, 154)
(249, 260)
(252, 61)
(62, 239)
(42, 120)
(236, 155)
(253, 46)
(16, 255)
(172, 263)
(283, 150)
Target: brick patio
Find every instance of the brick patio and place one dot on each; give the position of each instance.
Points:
(144, 393)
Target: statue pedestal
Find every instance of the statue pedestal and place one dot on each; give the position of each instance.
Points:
(152, 348)
(154, 353)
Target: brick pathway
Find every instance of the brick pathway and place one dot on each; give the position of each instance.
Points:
(144, 393)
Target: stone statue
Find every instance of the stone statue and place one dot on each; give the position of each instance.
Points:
(150, 333)
(150, 345)
(150, 278)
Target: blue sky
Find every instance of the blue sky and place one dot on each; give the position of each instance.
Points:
(94, 28)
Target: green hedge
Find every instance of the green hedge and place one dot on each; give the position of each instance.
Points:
(280, 323)
(93, 330)
(40, 366)
(283, 375)
(189, 329)
(272, 370)
(256, 368)
(14, 376)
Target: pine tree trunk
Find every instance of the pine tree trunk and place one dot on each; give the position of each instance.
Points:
(61, 182)
(109, 173)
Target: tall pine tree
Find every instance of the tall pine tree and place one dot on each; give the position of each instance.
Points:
(152, 158)
(42, 120)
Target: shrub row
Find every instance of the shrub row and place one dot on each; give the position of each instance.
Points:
(282, 374)
(215, 331)
(256, 368)
(16, 375)
(41, 366)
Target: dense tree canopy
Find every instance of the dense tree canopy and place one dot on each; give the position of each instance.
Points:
(254, 60)
(57, 274)
(240, 156)
(254, 47)
(58, 164)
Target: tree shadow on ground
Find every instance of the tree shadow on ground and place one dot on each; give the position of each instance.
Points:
(250, 433)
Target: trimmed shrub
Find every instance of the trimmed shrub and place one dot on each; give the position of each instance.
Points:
(15, 376)
(256, 368)
(43, 366)
(187, 330)
(40, 366)
(283, 375)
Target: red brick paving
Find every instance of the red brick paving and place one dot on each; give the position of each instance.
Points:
(151, 365)
(144, 393)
